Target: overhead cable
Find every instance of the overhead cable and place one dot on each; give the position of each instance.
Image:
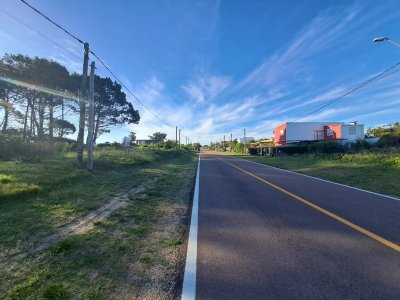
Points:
(100, 60)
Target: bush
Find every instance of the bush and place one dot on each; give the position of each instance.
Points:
(238, 148)
(253, 151)
(326, 147)
(298, 149)
(15, 147)
(389, 140)
(360, 145)
(169, 144)
(103, 145)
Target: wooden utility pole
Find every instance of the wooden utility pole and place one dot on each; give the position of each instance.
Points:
(179, 139)
(82, 105)
(176, 137)
(91, 118)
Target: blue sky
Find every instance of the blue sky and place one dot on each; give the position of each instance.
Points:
(215, 67)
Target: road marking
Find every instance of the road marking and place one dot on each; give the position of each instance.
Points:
(320, 179)
(189, 279)
(324, 211)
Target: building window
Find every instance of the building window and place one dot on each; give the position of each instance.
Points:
(329, 132)
(282, 132)
(352, 130)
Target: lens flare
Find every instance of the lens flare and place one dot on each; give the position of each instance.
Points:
(39, 88)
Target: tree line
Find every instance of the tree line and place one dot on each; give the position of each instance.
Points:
(39, 100)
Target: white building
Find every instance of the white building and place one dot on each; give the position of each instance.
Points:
(295, 132)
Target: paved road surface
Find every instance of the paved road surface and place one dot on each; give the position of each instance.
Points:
(258, 241)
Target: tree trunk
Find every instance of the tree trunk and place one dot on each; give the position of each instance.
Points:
(41, 118)
(6, 110)
(26, 117)
(34, 122)
(51, 118)
(32, 115)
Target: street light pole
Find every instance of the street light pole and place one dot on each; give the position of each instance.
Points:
(383, 38)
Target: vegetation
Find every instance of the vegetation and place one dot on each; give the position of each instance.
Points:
(389, 135)
(158, 136)
(39, 100)
(67, 233)
(132, 136)
(231, 146)
(391, 128)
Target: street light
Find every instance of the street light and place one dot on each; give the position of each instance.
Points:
(383, 38)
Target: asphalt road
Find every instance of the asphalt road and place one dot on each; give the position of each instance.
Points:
(258, 241)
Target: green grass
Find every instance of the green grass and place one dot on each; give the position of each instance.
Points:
(373, 171)
(36, 198)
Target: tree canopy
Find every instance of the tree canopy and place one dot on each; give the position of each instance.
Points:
(392, 128)
(158, 136)
(39, 99)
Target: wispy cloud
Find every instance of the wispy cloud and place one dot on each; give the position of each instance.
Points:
(151, 91)
(206, 88)
(322, 32)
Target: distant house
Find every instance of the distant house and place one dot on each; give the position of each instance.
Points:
(263, 146)
(292, 133)
(148, 142)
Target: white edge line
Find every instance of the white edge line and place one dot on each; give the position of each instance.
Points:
(189, 279)
(348, 186)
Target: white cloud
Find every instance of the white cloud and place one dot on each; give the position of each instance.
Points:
(322, 32)
(151, 92)
(206, 88)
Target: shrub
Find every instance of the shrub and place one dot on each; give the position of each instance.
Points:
(169, 144)
(238, 148)
(15, 147)
(389, 140)
(55, 292)
(360, 145)
(326, 147)
(298, 149)
(103, 145)
(253, 151)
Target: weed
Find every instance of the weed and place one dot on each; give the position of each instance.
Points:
(6, 178)
(55, 292)
(93, 292)
(174, 242)
(65, 245)
(140, 230)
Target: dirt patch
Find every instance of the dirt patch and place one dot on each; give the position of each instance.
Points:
(86, 223)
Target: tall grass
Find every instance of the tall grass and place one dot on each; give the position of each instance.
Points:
(15, 147)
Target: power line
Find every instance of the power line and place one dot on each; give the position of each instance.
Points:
(54, 23)
(100, 60)
(116, 78)
(348, 93)
(374, 79)
(38, 32)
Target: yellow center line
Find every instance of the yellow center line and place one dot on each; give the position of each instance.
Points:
(324, 211)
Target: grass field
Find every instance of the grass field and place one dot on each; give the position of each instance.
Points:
(116, 233)
(373, 171)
